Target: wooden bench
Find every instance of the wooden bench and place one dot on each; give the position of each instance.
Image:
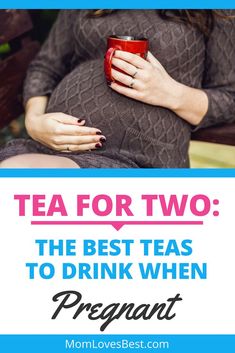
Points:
(15, 26)
(221, 134)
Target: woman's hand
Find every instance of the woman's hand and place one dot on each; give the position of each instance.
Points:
(147, 81)
(63, 132)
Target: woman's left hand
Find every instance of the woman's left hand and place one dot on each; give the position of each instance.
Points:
(144, 80)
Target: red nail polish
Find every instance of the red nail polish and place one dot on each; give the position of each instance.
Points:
(98, 133)
(80, 120)
(102, 139)
(98, 145)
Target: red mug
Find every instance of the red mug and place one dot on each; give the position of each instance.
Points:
(125, 43)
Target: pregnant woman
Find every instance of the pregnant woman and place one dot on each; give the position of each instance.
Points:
(76, 120)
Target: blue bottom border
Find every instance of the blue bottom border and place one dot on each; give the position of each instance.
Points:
(176, 343)
(117, 173)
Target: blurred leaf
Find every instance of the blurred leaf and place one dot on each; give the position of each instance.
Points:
(5, 48)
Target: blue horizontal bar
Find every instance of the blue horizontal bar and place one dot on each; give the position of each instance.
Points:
(117, 4)
(175, 343)
(117, 173)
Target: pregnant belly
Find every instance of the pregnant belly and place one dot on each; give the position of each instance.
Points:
(143, 133)
(83, 93)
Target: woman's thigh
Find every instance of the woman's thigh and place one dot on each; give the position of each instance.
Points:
(35, 160)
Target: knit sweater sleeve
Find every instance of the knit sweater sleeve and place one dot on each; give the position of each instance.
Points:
(219, 75)
(53, 60)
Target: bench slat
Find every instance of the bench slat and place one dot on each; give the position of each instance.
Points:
(222, 134)
(13, 23)
(12, 73)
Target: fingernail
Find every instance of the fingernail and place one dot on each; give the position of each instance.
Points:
(98, 145)
(102, 139)
(109, 83)
(80, 120)
(98, 133)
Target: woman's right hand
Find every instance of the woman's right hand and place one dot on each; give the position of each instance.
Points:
(63, 132)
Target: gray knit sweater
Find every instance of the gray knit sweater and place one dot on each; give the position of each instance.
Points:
(69, 69)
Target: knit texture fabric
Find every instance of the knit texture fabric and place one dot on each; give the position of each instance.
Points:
(69, 69)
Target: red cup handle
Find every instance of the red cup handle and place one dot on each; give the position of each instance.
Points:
(108, 63)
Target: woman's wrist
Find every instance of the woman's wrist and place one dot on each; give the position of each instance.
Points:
(191, 104)
(175, 95)
(171, 94)
(35, 107)
(30, 121)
